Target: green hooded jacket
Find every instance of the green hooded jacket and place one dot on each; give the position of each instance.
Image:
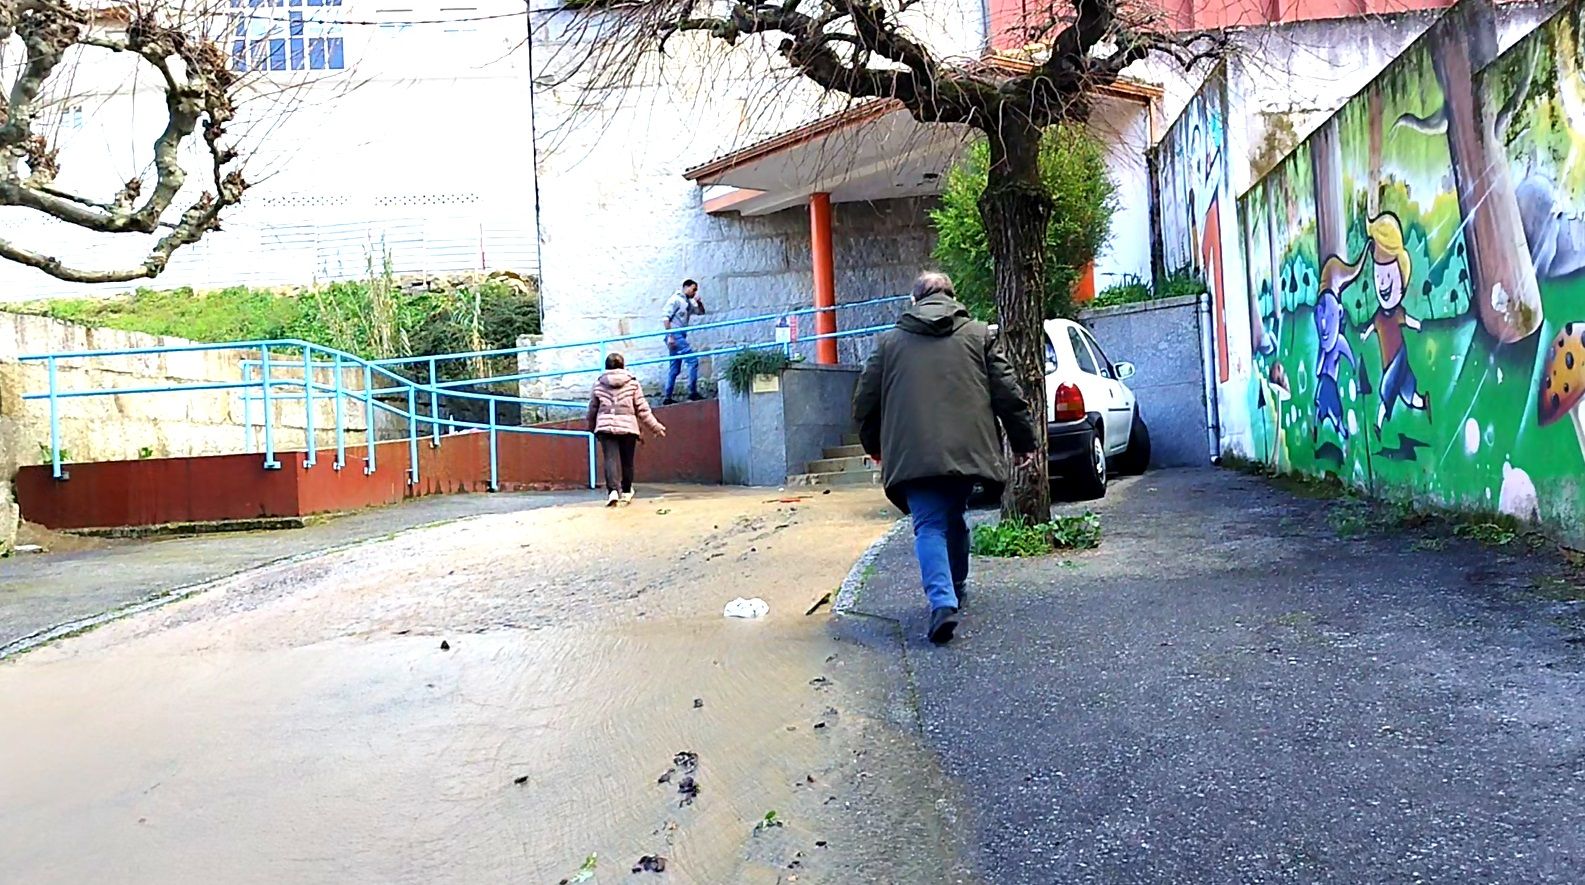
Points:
(930, 396)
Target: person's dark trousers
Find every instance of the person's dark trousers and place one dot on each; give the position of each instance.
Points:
(618, 450)
(941, 536)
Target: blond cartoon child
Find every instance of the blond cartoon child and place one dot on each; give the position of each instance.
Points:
(1392, 268)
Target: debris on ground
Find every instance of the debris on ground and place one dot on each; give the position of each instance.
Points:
(698, 703)
(27, 548)
(520, 780)
(821, 602)
(444, 645)
(650, 863)
(685, 763)
(688, 789)
(769, 821)
(746, 608)
(820, 682)
(585, 872)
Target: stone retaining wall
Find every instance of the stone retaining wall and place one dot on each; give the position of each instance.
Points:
(133, 427)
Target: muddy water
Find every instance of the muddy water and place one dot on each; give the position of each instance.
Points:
(303, 723)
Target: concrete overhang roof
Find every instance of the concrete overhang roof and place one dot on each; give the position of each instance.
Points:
(874, 150)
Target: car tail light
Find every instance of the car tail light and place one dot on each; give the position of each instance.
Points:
(1070, 403)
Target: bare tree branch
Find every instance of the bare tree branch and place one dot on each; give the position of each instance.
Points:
(198, 85)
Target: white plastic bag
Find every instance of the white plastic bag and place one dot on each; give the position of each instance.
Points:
(746, 608)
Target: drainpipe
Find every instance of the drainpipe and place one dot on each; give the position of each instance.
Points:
(1213, 428)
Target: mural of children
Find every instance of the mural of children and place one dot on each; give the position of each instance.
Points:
(1332, 346)
(1392, 267)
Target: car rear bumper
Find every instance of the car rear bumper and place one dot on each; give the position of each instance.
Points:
(1067, 440)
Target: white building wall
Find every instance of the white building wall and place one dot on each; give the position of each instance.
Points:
(421, 145)
(1125, 129)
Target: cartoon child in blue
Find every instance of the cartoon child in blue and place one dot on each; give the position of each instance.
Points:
(1333, 348)
(1392, 268)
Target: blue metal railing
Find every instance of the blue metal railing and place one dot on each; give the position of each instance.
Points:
(263, 382)
(269, 381)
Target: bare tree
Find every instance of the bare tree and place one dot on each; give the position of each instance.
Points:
(865, 49)
(199, 85)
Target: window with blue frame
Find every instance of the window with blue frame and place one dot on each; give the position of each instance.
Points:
(282, 35)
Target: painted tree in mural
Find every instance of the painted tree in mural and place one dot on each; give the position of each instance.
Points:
(866, 49)
(1462, 43)
(54, 38)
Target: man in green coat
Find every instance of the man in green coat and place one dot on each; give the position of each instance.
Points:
(927, 407)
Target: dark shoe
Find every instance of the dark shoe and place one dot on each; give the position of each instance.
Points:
(962, 594)
(943, 621)
(694, 397)
(668, 401)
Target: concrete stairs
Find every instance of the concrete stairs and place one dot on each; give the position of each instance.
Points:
(843, 465)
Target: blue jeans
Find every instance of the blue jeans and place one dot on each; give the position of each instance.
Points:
(941, 536)
(679, 348)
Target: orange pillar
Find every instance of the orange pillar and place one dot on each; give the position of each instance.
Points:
(825, 277)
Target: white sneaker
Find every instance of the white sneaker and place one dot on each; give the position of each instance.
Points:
(627, 498)
(611, 501)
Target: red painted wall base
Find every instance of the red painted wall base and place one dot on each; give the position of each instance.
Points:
(220, 487)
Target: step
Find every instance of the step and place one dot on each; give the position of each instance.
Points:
(840, 465)
(851, 439)
(848, 478)
(844, 452)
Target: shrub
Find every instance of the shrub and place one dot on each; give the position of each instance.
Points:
(1015, 538)
(1073, 169)
(1133, 290)
(750, 361)
(374, 318)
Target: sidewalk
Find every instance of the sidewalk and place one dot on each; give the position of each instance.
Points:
(1227, 690)
(43, 594)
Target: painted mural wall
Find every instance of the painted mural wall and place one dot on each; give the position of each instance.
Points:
(1198, 230)
(1417, 270)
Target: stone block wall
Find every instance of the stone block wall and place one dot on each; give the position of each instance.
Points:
(745, 267)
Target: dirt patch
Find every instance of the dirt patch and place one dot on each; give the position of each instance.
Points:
(60, 542)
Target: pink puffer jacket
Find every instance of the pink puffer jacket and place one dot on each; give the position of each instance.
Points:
(618, 405)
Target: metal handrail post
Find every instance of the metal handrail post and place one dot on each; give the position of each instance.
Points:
(495, 471)
(55, 422)
(412, 435)
(592, 483)
(341, 440)
(269, 412)
(309, 441)
(368, 415)
(248, 440)
(434, 406)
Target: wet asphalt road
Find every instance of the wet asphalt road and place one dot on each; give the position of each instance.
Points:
(1229, 691)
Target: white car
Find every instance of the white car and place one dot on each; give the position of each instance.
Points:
(1092, 418)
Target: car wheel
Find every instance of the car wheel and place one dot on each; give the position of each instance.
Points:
(1136, 458)
(1088, 474)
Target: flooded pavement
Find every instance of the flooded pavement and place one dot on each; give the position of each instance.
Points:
(82, 579)
(492, 700)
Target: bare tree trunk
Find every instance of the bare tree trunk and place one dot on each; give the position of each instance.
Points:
(1502, 277)
(1015, 210)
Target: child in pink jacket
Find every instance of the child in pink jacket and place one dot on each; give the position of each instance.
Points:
(616, 409)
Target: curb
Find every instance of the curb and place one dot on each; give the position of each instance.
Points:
(848, 593)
